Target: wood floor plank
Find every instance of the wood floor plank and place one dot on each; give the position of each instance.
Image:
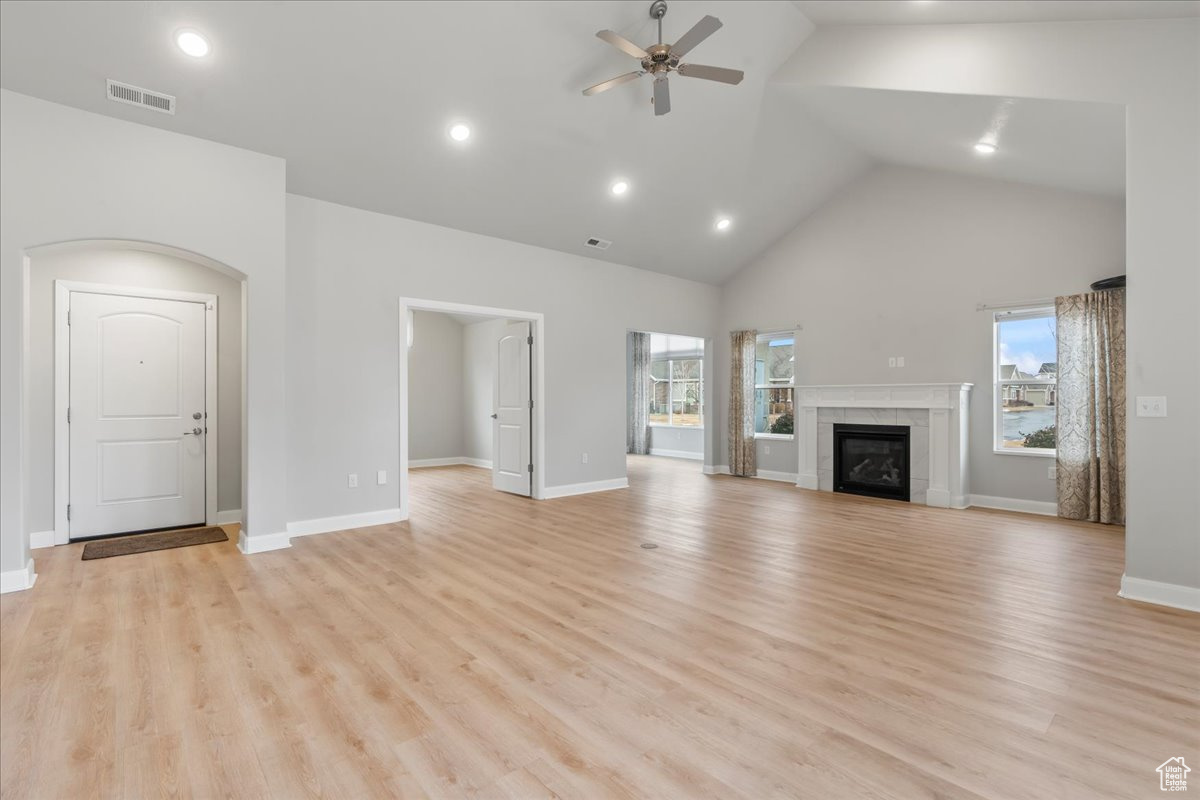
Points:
(777, 643)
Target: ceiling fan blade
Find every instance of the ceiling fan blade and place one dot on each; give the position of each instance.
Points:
(621, 43)
(733, 76)
(662, 96)
(606, 85)
(699, 32)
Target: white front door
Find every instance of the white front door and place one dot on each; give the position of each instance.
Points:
(512, 453)
(137, 414)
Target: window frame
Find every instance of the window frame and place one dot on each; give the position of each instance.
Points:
(791, 383)
(998, 384)
(670, 381)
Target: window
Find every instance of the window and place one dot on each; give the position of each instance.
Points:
(1026, 381)
(774, 385)
(676, 381)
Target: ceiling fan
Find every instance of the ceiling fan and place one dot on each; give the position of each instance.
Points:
(661, 59)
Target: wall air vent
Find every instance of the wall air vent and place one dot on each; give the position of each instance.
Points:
(137, 96)
(598, 244)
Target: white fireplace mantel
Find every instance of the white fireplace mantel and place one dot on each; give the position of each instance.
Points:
(947, 404)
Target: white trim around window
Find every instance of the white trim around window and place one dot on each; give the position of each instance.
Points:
(999, 384)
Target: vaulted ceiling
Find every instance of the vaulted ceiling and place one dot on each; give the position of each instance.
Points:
(358, 96)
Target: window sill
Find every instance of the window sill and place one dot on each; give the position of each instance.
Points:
(675, 427)
(787, 437)
(1021, 451)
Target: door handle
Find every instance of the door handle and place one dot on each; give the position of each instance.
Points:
(495, 416)
(194, 432)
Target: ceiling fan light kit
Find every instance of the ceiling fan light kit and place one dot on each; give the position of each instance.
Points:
(660, 60)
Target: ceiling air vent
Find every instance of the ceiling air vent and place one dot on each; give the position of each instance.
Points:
(137, 96)
(598, 244)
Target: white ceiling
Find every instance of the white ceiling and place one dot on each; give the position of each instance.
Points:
(1072, 145)
(935, 12)
(357, 96)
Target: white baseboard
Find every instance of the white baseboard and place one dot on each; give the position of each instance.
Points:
(1014, 504)
(39, 539)
(1163, 594)
(17, 580)
(249, 545)
(585, 488)
(453, 461)
(420, 463)
(688, 454)
(308, 527)
(231, 517)
(763, 474)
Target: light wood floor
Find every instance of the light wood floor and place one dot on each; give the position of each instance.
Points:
(778, 643)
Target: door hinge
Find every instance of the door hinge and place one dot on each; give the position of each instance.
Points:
(68, 511)
(68, 317)
(531, 469)
(529, 340)
(68, 415)
(531, 404)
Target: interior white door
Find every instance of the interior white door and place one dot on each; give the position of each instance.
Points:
(137, 414)
(512, 422)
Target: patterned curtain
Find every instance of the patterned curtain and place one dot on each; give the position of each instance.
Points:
(741, 404)
(638, 435)
(1090, 415)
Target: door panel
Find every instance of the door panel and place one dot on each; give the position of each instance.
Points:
(511, 432)
(137, 389)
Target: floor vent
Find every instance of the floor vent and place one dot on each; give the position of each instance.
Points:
(137, 96)
(598, 244)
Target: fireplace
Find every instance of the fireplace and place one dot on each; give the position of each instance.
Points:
(871, 460)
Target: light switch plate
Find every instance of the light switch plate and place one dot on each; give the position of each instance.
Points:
(899, 361)
(891, 361)
(352, 480)
(381, 477)
(1152, 406)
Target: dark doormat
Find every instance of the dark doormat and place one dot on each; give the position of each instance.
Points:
(146, 542)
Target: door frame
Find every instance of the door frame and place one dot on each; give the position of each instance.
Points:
(62, 391)
(537, 364)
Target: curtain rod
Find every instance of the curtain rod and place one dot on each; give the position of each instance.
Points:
(1016, 304)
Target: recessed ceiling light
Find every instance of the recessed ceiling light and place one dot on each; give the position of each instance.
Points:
(460, 132)
(620, 187)
(192, 42)
(723, 223)
(985, 148)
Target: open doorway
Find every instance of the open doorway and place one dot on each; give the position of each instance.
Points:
(471, 394)
(665, 387)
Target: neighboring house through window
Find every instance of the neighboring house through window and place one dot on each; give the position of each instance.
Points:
(1025, 374)
(774, 385)
(677, 381)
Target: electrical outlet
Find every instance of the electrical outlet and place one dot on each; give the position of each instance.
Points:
(381, 477)
(1052, 472)
(899, 361)
(584, 458)
(352, 480)
(1152, 406)
(766, 449)
(892, 361)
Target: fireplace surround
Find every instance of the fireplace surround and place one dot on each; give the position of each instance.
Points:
(937, 415)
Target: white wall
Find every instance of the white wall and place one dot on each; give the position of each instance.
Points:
(895, 264)
(67, 177)
(677, 442)
(1153, 67)
(346, 270)
(479, 386)
(122, 266)
(435, 397)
